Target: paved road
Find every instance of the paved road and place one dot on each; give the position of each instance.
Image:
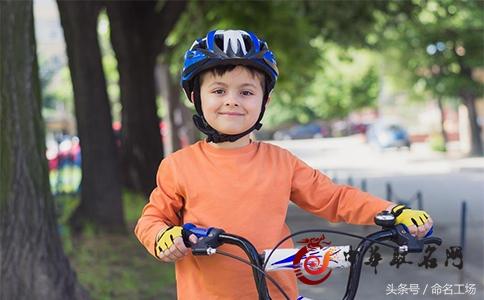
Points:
(444, 182)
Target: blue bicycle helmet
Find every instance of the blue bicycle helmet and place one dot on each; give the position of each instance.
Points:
(226, 47)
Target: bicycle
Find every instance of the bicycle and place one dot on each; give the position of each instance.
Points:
(270, 260)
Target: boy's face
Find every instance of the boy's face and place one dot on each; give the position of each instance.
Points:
(231, 103)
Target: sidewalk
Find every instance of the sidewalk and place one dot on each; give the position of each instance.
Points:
(471, 164)
(459, 161)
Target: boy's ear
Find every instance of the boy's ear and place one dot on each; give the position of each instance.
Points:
(192, 97)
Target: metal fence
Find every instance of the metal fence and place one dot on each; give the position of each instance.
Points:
(410, 201)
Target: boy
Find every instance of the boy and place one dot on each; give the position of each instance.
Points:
(231, 182)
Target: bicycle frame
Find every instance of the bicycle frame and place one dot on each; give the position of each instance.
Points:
(282, 259)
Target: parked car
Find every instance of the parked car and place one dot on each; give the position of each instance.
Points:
(388, 135)
(306, 131)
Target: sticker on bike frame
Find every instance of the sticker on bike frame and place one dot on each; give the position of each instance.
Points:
(313, 263)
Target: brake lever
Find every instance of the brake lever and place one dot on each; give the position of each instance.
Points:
(432, 240)
(403, 238)
(411, 244)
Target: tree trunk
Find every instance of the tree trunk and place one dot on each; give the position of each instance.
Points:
(163, 78)
(141, 145)
(442, 122)
(189, 128)
(180, 126)
(469, 100)
(101, 204)
(138, 32)
(32, 262)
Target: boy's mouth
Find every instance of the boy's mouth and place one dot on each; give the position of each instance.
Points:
(228, 113)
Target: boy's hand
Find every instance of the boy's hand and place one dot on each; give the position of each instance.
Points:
(169, 245)
(418, 222)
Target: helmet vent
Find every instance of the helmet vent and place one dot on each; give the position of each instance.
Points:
(234, 43)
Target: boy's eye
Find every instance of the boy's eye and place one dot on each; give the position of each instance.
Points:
(219, 91)
(247, 93)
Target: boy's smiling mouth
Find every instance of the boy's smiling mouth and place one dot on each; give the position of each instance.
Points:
(230, 114)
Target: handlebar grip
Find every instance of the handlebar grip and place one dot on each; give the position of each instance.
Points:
(207, 238)
(189, 229)
(403, 238)
(185, 235)
(198, 231)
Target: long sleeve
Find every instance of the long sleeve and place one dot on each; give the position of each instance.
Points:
(315, 192)
(163, 208)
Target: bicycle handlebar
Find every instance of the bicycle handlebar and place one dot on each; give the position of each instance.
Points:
(211, 238)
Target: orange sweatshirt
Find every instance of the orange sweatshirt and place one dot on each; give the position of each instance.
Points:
(245, 191)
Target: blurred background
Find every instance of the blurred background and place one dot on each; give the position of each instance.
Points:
(383, 95)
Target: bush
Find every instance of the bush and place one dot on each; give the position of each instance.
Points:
(437, 143)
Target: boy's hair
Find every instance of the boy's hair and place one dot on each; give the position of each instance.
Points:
(222, 69)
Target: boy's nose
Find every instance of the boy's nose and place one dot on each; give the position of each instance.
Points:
(231, 103)
(231, 100)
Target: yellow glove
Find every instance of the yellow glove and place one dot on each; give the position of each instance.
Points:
(166, 238)
(408, 217)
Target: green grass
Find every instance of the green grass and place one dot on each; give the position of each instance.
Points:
(114, 266)
(66, 180)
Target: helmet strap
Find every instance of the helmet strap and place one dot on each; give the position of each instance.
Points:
(212, 134)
